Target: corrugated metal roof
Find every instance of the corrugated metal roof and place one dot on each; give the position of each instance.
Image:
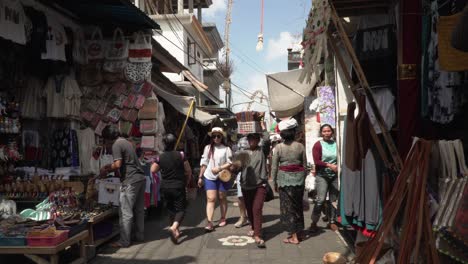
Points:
(121, 13)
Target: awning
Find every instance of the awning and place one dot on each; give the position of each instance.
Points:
(286, 93)
(201, 87)
(182, 104)
(168, 63)
(114, 13)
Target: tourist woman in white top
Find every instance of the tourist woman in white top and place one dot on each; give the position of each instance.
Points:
(216, 157)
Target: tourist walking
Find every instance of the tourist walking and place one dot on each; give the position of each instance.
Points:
(324, 153)
(288, 170)
(216, 157)
(242, 145)
(254, 180)
(132, 190)
(175, 176)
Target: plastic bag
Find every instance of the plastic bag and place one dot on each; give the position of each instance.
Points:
(310, 183)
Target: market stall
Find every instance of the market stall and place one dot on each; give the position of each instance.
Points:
(403, 148)
(63, 80)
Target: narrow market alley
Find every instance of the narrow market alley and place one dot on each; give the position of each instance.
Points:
(197, 246)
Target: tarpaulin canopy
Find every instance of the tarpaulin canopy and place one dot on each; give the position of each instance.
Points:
(287, 94)
(182, 104)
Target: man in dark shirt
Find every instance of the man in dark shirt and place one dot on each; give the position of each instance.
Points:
(133, 185)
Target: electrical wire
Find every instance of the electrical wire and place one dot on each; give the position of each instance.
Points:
(205, 67)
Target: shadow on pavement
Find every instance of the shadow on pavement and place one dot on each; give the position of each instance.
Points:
(177, 260)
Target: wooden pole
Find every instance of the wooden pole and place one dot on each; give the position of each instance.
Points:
(365, 85)
(185, 124)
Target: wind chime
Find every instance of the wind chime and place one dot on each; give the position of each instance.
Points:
(260, 35)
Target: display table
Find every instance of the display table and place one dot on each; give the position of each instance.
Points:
(92, 243)
(37, 254)
(97, 219)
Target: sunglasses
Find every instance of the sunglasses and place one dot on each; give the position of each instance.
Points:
(216, 136)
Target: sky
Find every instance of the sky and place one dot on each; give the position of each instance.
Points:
(282, 29)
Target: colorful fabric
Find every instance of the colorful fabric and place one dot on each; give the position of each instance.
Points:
(326, 105)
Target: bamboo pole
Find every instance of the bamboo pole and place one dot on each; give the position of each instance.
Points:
(185, 124)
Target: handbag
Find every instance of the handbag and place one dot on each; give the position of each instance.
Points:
(148, 127)
(125, 127)
(147, 142)
(101, 125)
(137, 72)
(225, 176)
(269, 193)
(117, 48)
(130, 101)
(141, 49)
(114, 115)
(140, 101)
(149, 109)
(95, 45)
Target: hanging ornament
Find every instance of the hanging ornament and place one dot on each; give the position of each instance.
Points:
(260, 35)
(260, 42)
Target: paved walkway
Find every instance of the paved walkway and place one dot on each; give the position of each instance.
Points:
(199, 247)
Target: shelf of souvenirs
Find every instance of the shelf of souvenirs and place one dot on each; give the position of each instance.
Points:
(37, 188)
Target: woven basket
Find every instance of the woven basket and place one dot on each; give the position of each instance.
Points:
(244, 128)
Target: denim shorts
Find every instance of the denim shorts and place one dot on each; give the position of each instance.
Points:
(217, 185)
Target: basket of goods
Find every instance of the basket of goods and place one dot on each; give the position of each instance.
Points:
(249, 122)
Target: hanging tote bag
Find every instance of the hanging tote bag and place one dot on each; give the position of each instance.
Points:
(116, 53)
(137, 72)
(117, 48)
(141, 49)
(95, 45)
(149, 109)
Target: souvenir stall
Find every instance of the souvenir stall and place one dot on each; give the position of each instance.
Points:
(63, 80)
(405, 200)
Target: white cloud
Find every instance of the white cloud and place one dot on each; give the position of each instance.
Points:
(278, 48)
(218, 6)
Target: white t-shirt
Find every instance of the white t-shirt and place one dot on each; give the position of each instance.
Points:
(221, 156)
(63, 96)
(56, 40)
(385, 101)
(72, 95)
(12, 21)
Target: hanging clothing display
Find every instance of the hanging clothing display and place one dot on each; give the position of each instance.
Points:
(326, 105)
(56, 41)
(63, 97)
(37, 42)
(444, 91)
(64, 148)
(376, 48)
(385, 102)
(12, 21)
(87, 143)
(32, 104)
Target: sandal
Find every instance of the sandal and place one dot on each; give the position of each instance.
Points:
(290, 241)
(173, 236)
(117, 245)
(260, 243)
(209, 227)
(222, 222)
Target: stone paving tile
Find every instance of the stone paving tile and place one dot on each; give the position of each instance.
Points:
(199, 247)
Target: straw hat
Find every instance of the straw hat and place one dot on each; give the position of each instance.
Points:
(217, 130)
